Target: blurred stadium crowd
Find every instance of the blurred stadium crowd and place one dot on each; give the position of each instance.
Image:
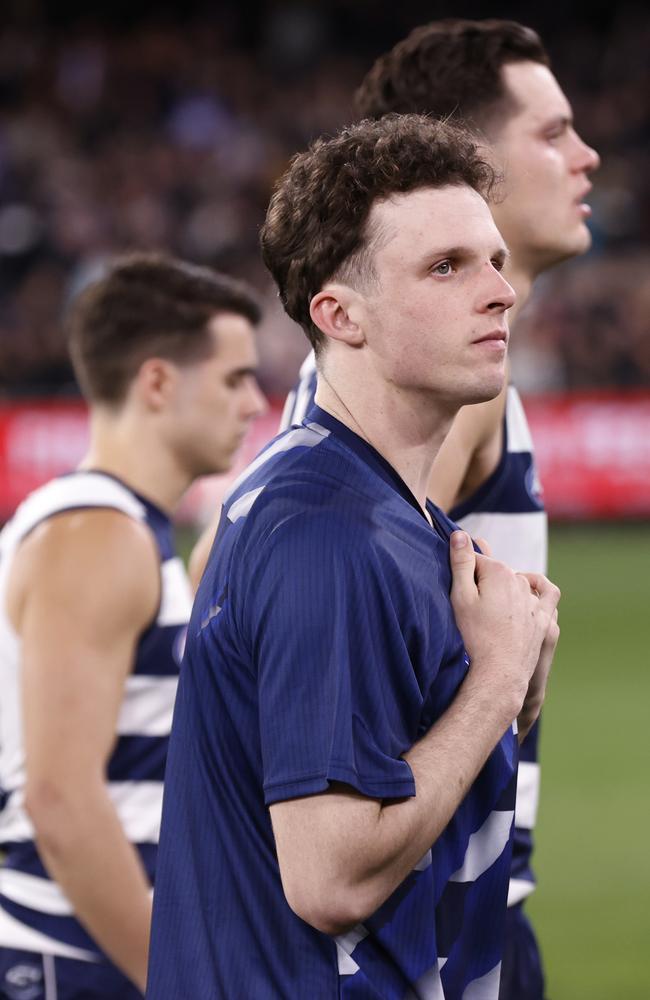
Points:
(168, 133)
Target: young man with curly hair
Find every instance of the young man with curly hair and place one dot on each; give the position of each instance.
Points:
(340, 787)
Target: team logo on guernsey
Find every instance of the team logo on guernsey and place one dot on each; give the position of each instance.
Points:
(23, 982)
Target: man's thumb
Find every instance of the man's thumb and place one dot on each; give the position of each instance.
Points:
(463, 565)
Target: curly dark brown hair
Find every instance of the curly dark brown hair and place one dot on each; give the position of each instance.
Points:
(451, 68)
(316, 224)
(147, 305)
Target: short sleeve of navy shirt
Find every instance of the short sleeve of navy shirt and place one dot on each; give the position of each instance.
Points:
(322, 645)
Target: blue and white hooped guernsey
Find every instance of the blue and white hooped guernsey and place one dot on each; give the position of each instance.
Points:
(35, 915)
(508, 511)
(322, 645)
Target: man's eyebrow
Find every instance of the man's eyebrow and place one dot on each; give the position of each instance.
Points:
(558, 120)
(501, 253)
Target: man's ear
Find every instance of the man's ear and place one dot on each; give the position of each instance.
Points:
(336, 312)
(155, 382)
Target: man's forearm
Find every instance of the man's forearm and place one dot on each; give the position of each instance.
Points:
(372, 846)
(84, 849)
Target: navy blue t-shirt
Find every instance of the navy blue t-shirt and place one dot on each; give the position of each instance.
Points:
(322, 645)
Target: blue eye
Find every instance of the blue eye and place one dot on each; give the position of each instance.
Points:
(443, 268)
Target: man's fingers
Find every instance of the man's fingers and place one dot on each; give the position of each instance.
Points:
(549, 595)
(463, 565)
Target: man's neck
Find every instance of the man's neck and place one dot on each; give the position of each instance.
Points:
(128, 450)
(407, 429)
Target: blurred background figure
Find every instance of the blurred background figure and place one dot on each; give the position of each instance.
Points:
(94, 605)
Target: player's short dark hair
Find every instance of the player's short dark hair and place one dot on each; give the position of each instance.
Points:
(147, 305)
(451, 68)
(316, 224)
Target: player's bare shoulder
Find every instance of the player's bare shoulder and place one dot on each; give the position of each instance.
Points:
(80, 559)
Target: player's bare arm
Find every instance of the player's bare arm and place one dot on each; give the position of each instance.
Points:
(342, 854)
(79, 607)
(199, 554)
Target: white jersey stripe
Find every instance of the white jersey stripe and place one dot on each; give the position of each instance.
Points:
(519, 540)
(241, 507)
(519, 436)
(518, 889)
(528, 782)
(486, 986)
(138, 805)
(485, 846)
(305, 437)
(37, 893)
(13, 934)
(345, 945)
(148, 706)
(176, 594)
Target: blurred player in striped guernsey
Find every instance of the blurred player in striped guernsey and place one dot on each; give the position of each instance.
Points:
(94, 605)
(339, 796)
(495, 76)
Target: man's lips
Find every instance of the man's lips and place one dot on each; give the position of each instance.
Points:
(494, 335)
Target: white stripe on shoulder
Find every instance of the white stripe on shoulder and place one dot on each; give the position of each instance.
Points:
(242, 506)
(80, 489)
(37, 893)
(528, 782)
(148, 706)
(14, 934)
(305, 437)
(485, 988)
(485, 846)
(519, 436)
(176, 594)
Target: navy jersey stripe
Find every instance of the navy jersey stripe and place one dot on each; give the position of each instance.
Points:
(138, 758)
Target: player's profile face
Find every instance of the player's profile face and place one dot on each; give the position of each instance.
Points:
(216, 398)
(436, 320)
(546, 166)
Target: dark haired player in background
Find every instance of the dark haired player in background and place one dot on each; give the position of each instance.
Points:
(339, 795)
(495, 76)
(94, 605)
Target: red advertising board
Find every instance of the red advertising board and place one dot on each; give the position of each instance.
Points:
(593, 452)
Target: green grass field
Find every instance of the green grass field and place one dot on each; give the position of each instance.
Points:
(592, 908)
